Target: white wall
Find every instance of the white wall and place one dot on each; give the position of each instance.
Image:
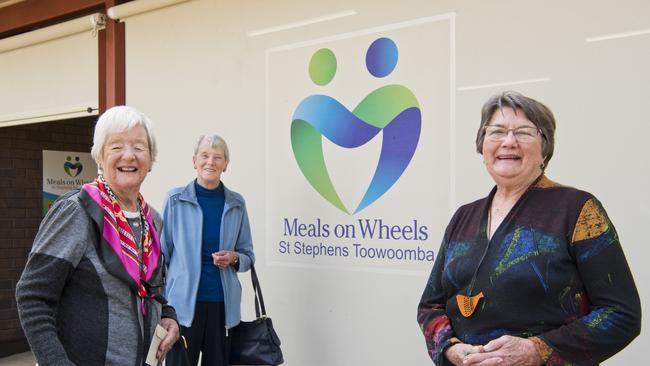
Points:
(193, 69)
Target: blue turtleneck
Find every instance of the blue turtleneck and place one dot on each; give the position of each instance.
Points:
(211, 202)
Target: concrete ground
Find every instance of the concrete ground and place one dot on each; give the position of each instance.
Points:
(20, 359)
(26, 359)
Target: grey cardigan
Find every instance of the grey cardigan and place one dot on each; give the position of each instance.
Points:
(73, 307)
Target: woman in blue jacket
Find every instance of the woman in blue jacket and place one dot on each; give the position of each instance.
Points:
(206, 239)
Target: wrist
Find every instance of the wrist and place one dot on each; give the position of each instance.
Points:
(543, 350)
(447, 351)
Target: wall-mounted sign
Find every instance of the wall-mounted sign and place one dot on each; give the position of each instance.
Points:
(64, 171)
(360, 145)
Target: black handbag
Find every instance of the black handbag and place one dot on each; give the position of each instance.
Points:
(180, 349)
(255, 342)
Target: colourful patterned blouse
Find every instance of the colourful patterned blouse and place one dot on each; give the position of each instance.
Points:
(554, 269)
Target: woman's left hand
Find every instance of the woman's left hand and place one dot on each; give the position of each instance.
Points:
(224, 258)
(506, 350)
(167, 343)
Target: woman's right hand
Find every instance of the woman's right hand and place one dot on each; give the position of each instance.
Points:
(458, 353)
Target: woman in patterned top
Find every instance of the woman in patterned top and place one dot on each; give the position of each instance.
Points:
(533, 273)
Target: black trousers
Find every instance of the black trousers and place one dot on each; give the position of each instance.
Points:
(207, 335)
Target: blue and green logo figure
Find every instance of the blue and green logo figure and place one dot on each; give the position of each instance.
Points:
(72, 168)
(391, 109)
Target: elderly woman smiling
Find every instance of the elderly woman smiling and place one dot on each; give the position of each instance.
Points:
(533, 273)
(91, 292)
(207, 240)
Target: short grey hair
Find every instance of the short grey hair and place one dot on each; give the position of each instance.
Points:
(119, 119)
(215, 141)
(535, 111)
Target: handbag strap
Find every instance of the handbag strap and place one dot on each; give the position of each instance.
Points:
(257, 290)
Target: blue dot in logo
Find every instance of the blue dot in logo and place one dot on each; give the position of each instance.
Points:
(381, 57)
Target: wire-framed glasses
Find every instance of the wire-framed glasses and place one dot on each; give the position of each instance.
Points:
(523, 134)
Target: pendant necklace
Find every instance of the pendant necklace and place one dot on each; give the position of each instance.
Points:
(466, 303)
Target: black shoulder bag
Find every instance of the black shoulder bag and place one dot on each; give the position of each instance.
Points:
(255, 342)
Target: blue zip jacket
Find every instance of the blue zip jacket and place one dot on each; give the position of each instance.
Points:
(181, 245)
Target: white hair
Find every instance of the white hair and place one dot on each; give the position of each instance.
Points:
(119, 119)
(216, 142)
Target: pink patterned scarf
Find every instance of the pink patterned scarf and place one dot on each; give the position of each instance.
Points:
(120, 237)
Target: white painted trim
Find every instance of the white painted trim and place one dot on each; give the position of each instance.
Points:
(57, 31)
(607, 37)
(301, 23)
(55, 114)
(367, 31)
(452, 114)
(504, 83)
(120, 12)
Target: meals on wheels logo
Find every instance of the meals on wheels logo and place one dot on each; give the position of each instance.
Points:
(72, 169)
(367, 117)
(392, 110)
(57, 181)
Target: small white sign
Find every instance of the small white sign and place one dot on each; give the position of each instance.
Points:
(64, 171)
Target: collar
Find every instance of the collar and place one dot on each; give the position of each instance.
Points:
(231, 198)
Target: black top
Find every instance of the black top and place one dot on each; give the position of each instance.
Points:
(554, 268)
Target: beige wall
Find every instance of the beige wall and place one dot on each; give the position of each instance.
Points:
(193, 69)
(43, 79)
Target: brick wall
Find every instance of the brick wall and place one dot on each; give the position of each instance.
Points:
(21, 188)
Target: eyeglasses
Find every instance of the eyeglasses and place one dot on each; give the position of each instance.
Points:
(523, 134)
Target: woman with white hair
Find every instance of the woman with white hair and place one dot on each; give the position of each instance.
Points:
(92, 289)
(206, 241)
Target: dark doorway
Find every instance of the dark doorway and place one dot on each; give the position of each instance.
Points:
(21, 188)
